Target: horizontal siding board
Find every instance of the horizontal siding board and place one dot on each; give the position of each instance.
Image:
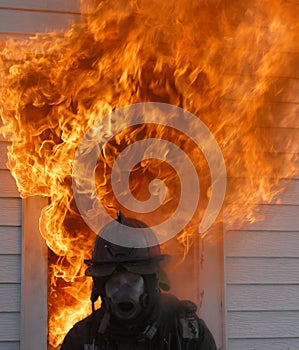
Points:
(262, 271)
(283, 139)
(265, 32)
(262, 244)
(8, 187)
(284, 115)
(289, 190)
(263, 344)
(59, 5)
(3, 155)
(9, 345)
(248, 67)
(241, 85)
(9, 326)
(262, 297)
(280, 114)
(265, 324)
(276, 159)
(10, 269)
(263, 39)
(10, 297)
(10, 240)
(275, 218)
(33, 22)
(280, 139)
(10, 211)
(2, 138)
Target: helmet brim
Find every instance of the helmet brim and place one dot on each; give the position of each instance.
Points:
(139, 266)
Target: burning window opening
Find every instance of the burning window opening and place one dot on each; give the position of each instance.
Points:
(55, 88)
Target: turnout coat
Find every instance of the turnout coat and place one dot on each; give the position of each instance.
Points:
(173, 325)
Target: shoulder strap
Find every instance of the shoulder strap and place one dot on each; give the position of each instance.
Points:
(94, 323)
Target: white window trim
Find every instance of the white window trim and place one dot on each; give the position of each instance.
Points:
(211, 284)
(34, 278)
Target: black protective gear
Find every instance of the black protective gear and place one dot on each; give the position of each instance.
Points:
(125, 292)
(173, 325)
(161, 323)
(142, 256)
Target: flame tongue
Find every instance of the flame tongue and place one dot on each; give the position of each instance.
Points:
(126, 52)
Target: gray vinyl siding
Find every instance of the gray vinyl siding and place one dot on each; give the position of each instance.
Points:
(262, 260)
(10, 257)
(42, 5)
(20, 18)
(262, 282)
(36, 16)
(24, 22)
(261, 344)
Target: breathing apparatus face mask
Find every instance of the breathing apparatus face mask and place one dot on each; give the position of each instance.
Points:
(125, 292)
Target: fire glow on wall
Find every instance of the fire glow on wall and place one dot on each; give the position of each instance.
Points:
(56, 87)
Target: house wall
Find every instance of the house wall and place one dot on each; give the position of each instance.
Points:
(262, 258)
(10, 256)
(21, 18)
(261, 280)
(28, 17)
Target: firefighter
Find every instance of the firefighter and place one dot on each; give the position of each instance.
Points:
(135, 314)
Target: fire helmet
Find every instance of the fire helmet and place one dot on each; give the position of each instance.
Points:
(143, 258)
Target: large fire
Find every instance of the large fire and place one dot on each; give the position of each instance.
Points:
(220, 60)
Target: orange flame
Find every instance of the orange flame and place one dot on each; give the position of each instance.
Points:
(221, 60)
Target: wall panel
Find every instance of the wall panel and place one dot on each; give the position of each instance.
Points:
(10, 297)
(262, 297)
(10, 240)
(269, 324)
(9, 326)
(264, 344)
(53, 5)
(269, 218)
(10, 269)
(262, 270)
(262, 244)
(10, 345)
(27, 22)
(262, 257)
(9, 187)
(10, 211)
(3, 157)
